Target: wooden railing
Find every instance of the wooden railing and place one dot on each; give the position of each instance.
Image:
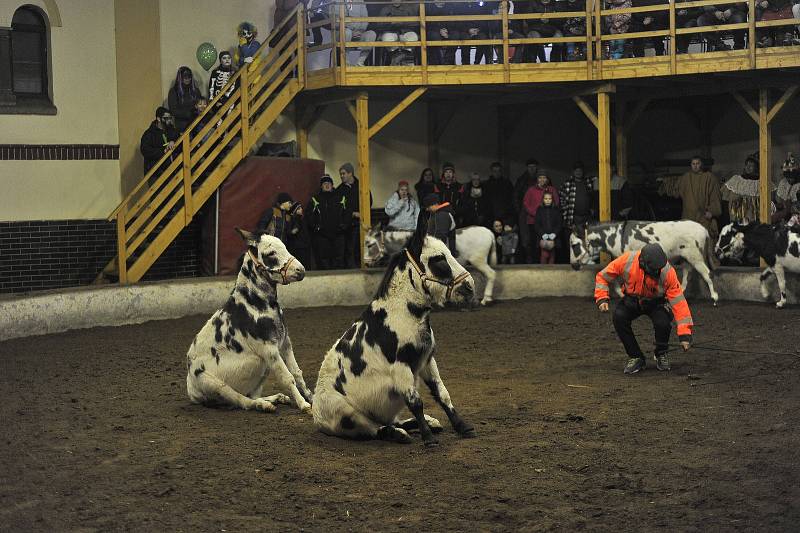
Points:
(594, 40)
(172, 192)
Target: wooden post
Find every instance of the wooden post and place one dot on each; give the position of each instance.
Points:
(589, 37)
(598, 32)
(301, 46)
(604, 154)
(362, 139)
(244, 101)
(751, 33)
(621, 137)
(673, 39)
(423, 37)
(301, 130)
(122, 239)
(506, 59)
(188, 203)
(764, 142)
(342, 50)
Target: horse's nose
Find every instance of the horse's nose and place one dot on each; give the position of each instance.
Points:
(466, 290)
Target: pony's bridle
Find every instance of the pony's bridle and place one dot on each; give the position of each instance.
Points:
(261, 267)
(451, 284)
(381, 246)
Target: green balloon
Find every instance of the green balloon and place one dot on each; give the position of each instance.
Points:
(206, 55)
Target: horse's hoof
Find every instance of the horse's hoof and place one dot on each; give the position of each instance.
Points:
(306, 410)
(468, 433)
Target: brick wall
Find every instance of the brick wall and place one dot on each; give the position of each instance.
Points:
(39, 255)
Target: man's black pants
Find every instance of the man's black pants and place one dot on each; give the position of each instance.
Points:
(631, 308)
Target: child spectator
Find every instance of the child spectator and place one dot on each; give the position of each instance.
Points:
(402, 208)
(547, 228)
(531, 203)
(497, 231)
(182, 97)
(509, 241)
(441, 223)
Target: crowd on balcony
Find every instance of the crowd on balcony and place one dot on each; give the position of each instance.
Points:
(621, 24)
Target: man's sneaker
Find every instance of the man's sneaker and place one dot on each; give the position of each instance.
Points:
(662, 362)
(634, 365)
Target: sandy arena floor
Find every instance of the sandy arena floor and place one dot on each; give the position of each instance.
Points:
(98, 434)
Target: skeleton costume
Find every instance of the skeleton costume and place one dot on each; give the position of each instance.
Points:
(219, 78)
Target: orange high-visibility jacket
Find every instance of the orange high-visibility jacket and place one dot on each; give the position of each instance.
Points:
(635, 283)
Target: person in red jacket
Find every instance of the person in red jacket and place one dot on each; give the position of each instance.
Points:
(651, 287)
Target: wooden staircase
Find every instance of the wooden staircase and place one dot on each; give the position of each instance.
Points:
(168, 197)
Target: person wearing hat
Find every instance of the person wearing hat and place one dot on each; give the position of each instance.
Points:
(441, 223)
(327, 217)
(348, 190)
(402, 208)
(651, 287)
(276, 220)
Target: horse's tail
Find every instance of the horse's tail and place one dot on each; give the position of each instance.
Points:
(492, 259)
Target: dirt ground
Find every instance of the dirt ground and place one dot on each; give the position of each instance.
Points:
(98, 434)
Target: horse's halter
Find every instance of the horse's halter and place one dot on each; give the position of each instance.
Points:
(261, 267)
(586, 250)
(381, 246)
(451, 285)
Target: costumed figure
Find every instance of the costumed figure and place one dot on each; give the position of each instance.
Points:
(248, 45)
(787, 196)
(742, 193)
(220, 77)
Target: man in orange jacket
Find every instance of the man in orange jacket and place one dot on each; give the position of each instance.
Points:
(651, 288)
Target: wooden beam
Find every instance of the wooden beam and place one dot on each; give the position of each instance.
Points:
(352, 109)
(604, 154)
(746, 106)
(586, 108)
(764, 142)
(396, 110)
(301, 131)
(362, 140)
(785, 97)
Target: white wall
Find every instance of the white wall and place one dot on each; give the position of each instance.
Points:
(84, 91)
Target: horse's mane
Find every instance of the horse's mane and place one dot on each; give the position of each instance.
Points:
(399, 260)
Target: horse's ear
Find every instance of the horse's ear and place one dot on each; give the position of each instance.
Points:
(416, 241)
(249, 238)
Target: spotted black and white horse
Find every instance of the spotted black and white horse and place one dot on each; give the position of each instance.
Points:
(235, 351)
(681, 240)
(375, 368)
(778, 246)
(475, 246)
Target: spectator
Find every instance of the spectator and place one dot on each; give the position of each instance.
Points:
(776, 10)
(720, 15)
(402, 208)
(220, 77)
(699, 191)
(497, 231)
(199, 108)
(353, 31)
(532, 201)
(574, 27)
(441, 31)
(327, 220)
(182, 97)
(474, 29)
(787, 196)
(448, 188)
(158, 139)
(508, 243)
(499, 193)
(425, 185)
(742, 194)
(576, 198)
(548, 229)
(399, 31)
(475, 208)
(276, 220)
(348, 190)
(685, 18)
(298, 241)
(618, 24)
(525, 181)
(544, 28)
(649, 21)
(248, 44)
(441, 223)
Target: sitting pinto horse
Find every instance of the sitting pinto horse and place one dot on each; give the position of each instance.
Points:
(778, 246)
(475, 245)
(373, 371)
(680, 239)
(235, 351)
